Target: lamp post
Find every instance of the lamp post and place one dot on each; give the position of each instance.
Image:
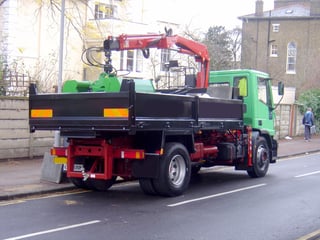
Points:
(61, 46)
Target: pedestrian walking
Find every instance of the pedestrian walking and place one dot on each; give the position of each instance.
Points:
(308, 121)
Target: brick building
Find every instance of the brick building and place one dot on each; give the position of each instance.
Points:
(284, 42)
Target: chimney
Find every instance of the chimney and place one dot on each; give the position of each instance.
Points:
(259, 8)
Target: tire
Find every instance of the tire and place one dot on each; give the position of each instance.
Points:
(100, 184)
(261, 159)
(175, 171)
(146, 185)
(78, 182)
(195, 169)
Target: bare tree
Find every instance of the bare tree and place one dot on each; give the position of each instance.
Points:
(45, 74)
(194, 34)
(2, 2)
(235, 45)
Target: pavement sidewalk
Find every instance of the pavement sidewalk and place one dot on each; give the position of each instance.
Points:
(22, 177)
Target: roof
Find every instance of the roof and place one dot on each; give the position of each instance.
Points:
(293, 11)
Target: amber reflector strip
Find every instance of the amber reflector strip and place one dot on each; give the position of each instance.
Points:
(115, 112)
(41, 113)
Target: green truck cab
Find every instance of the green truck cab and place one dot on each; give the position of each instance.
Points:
(255, 89)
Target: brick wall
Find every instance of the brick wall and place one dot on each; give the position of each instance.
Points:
(288, 121)
(15, 139)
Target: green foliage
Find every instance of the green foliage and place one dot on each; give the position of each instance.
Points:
(311, 98)
(223, 47)
(1, 68)
(1, 71)
(2, 85)
(217, 42)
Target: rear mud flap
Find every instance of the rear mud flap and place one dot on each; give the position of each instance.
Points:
(147, 168)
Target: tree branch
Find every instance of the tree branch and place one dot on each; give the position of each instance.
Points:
(2, 2)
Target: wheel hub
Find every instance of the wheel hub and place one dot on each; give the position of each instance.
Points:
(177, 170)
(262, 156)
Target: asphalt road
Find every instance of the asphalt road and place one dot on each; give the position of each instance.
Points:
(221, 204)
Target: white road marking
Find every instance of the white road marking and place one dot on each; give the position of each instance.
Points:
(307, 174)
(215, 195)
(310, 236)
(10, 202)
(58, 194)
(53, 230)
(42, 196)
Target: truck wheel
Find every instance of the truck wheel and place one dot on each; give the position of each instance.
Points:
(78, 182)
(100, 184)
(195, 170)
(175, 171)
(261, 159)
(147, 187)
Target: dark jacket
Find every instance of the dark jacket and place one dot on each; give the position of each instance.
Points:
(308, 118)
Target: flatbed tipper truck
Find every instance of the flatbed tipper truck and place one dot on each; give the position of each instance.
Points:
(118, 127)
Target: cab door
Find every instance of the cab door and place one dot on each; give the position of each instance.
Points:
(264, 111)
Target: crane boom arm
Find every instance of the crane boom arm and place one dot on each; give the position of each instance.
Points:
(163, 41)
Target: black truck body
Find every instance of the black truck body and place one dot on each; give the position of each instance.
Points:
(82, 114)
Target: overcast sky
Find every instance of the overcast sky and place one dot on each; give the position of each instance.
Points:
(205, 13)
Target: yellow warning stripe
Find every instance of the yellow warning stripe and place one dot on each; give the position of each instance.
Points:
(41, 113)
(116, 112)
(60, 160)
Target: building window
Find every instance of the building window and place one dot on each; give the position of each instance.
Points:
(103, 11)
(275, 27)
(139, 61)
(165, 57)
(291, 58)
(131, 60)
(274, 50)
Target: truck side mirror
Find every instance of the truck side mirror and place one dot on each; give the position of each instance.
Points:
(280, 88)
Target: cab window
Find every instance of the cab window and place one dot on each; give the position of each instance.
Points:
(242, 84)
(263, 91)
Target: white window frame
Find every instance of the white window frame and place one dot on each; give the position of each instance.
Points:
(104, 11)
(131, 60)
(275, 27)
(165, 57)
(291, 58)
(273, 50)
(138, 61)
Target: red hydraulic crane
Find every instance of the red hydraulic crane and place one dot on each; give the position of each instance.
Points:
(161, 41)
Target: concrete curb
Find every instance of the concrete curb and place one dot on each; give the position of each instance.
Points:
(43, 191)
(298, 154)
